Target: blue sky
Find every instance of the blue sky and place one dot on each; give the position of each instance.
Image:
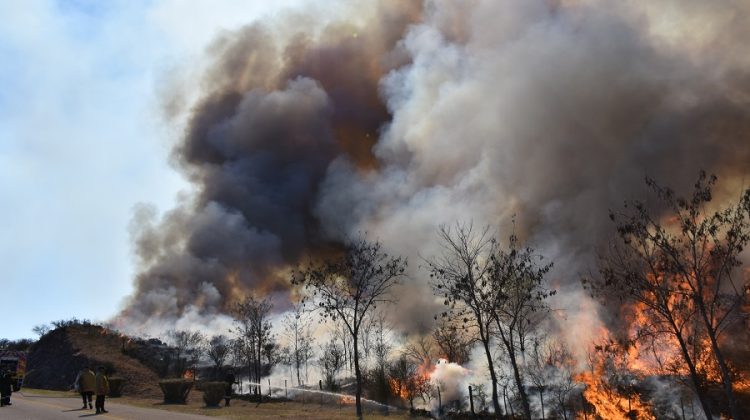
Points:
(83, 140)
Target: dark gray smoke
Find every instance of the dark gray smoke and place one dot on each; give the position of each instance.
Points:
(552, 111)
(275, 114)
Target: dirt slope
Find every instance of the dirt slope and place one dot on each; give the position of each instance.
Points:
(57, 357)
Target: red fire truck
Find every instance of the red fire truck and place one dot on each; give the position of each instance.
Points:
(15, 362)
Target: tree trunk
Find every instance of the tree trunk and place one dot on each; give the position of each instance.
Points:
(698, 387)
(726, 379)
(541, 400)
(516, 372)
(358, 376)
(493, 376)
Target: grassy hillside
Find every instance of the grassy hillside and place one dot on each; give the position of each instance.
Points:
(57, 357)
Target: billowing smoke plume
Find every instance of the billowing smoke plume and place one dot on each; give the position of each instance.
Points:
(412, 115)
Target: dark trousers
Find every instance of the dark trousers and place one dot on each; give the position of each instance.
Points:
(4, 399)
(86, 397)
(99, 402)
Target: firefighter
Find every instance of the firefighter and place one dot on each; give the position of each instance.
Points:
(86, 386)
(229, 379)
(6, 388)
(102, 389)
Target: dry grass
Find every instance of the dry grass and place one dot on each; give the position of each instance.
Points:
(239, 409)
(47, 393)
(268, 410)
(104, 346)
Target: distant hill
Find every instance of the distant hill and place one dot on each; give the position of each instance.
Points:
(56, 358)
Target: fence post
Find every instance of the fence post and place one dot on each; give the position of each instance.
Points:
(471, 401)
(440, 403)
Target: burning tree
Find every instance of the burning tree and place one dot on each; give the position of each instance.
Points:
(680, 269)
(349, 286)
(408, 380)
(253, 331)
(461, 276)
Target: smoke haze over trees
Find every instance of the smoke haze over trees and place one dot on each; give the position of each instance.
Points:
(395, 117)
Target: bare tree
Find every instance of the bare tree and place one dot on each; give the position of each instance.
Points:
(421, 350)
(453, 341)
(682, 265)
(187, 348)
(382, 345)
(218, 349)
(461, 276)
(519, 303)
(253, 331)
(551, 370)
(41, 329)
(331, 362)
(299, 335)
(349, 286)
(341, 333)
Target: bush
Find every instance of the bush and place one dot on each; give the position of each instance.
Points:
(175, 391)
(115, 387)
(213, 393)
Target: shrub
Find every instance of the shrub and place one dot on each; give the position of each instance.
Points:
(175, 391)
(115, 387)
(213, 393)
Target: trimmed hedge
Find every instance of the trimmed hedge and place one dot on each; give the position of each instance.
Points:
(115, 387)
(175, 391)
(213, 393)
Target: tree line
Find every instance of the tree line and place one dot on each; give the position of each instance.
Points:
(676, 261)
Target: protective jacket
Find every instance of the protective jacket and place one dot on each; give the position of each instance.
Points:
(87, 381)
(102, 384)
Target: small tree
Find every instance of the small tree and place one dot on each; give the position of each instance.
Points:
(331, 362)
(461, 276)
(218, 349)
(41, 330)
(298, 333)
(453, 341)
(519, 303)
(187, 349)
(349, 286)
(381, 338)
(407, 379)
(253, 331)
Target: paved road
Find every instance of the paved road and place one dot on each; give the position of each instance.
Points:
(32, 407)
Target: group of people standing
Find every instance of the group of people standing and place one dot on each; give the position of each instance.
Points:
(87, 384)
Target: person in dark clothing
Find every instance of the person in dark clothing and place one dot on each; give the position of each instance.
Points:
(6, 388)
(102, 389)
(229, 379)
